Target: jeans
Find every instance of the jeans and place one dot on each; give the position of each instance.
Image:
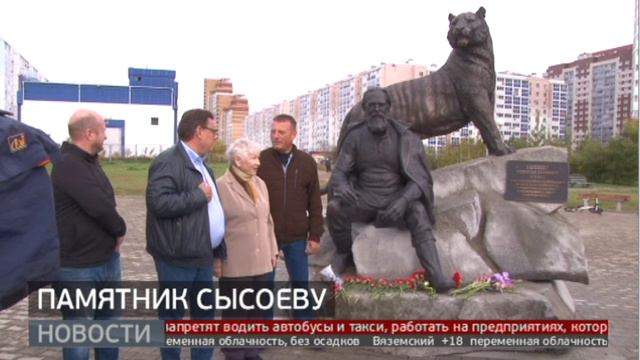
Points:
(193, 279)
(87, 278)
(297, 262)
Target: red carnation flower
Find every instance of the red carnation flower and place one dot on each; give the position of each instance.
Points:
(458, 278)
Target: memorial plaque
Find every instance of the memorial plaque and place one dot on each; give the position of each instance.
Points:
(537, 181)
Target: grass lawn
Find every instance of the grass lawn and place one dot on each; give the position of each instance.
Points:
(629, 206)
(129, 177)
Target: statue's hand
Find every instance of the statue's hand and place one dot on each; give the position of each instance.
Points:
(394, 212)
(346, 194)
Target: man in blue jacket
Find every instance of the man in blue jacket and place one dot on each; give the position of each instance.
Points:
(28, 233)
(91, 230)
(185, 220)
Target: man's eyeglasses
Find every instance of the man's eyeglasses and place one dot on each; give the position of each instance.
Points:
(213, 131)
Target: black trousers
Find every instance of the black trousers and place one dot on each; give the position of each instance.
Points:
(256, 283)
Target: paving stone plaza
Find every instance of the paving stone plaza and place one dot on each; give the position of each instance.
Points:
(611, 242)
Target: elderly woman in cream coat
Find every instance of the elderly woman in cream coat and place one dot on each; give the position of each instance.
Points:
(252, 250)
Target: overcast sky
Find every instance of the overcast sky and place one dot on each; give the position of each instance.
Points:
(275, 50)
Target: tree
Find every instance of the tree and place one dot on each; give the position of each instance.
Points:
(589, 159)
(612, 163)
(219, 152)
(456, 153)
(622, 164)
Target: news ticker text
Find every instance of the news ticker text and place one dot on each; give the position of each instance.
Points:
(319, 333)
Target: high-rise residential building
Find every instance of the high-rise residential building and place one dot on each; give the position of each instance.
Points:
(326, 131)
(234, 118)
(14, 69)
(215, 86)
(320, 113)
(306, 121)
(258, 125)
(525, 106)
(636, 65)
(599, 92)
(548, 106)
(253, 127)
(219, 99)
(530, 106)
(512, 111)
(389, 74)
(346, 98)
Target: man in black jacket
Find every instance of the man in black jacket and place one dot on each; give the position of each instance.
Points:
(90, 228)
(185, 220)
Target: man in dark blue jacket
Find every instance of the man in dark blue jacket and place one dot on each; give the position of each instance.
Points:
(90, 228)
(185, 220)
(28, 233)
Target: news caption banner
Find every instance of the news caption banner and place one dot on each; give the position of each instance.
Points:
(144, 301)
(139, 299)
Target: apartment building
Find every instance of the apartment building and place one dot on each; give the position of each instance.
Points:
(234, 117)
(229, 109)
(320, 112)
(528, 105)
(599, 92)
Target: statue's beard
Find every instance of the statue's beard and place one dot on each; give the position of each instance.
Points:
(377, 125)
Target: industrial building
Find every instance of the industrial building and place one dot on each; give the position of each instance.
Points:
(141, 117)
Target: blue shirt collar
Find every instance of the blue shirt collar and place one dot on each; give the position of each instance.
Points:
(195, 158)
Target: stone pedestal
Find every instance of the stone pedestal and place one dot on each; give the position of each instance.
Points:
(477, 232)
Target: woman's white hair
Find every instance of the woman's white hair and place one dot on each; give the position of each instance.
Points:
(242, 148)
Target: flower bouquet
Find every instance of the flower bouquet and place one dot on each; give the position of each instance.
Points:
(378, 287)
(495, 282)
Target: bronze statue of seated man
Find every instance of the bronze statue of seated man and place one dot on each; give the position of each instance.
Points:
(381, 176)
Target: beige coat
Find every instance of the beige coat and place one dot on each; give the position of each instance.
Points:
(251, 242)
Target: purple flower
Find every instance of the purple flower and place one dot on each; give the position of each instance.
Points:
(501, 280)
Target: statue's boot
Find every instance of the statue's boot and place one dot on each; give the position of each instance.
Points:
(428, 255)
(340, 263)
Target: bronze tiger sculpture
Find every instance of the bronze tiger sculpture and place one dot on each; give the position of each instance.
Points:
(461, 91)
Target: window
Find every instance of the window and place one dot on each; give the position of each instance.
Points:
(154, 121)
